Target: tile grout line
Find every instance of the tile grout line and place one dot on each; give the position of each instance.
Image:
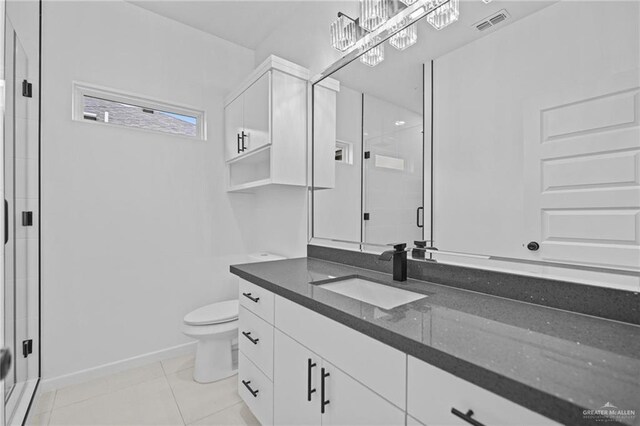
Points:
(217, 412)
(175, 400)
(53, 405)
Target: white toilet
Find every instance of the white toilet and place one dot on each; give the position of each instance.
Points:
(215, 326)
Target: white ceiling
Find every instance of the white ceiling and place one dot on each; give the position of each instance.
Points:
(398, 79)
(244, 22)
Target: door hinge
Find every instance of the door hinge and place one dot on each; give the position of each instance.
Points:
(367, 154)
(366, 216)
(27, 347)
(27, 218)
(27, 89)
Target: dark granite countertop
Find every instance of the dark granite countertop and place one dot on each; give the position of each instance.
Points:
(554, 362)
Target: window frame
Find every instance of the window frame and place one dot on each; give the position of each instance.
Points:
(80, 90)
(347, 152)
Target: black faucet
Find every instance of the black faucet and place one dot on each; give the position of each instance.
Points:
(399, 256)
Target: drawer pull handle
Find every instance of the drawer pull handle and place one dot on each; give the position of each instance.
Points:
(246, 385)
(247, 334)
(323, 402)
(248, 296)
(310, 365)
(466, 417)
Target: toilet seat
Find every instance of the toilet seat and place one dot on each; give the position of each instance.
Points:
(216, 313)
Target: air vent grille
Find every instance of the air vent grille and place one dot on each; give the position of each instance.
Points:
(492, 20)
(498, 18)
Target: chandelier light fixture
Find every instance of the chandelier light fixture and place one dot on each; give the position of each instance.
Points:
(388, 19)
(444, 15)
(406, 37)
(372, 56)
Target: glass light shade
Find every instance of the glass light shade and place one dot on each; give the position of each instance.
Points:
(373, 56)
(405, 38)
(343, 33)
(373, 13)
(408, 2)
(446, 14)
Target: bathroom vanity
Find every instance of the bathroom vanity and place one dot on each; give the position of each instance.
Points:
(515, 176)
(310, 355)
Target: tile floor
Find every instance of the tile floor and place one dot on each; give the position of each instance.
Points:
(161, 393)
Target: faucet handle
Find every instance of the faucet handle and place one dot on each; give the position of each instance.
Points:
(399, 246)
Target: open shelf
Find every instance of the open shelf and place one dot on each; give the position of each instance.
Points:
(251, 170)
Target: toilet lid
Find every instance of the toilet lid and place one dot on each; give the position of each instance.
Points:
(215, 313)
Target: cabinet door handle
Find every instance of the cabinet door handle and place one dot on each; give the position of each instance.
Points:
(323, 402)
(238, 142)
(310, 365)
(6, 222)
(246, 385)
(466, 416)
(418, 217)
(247, 334)
(253, 299)
(243, 136)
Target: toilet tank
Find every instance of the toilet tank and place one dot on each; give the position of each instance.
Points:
(263, 257)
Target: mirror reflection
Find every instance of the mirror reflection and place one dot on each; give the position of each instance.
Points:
(491, 141)
(378, 156)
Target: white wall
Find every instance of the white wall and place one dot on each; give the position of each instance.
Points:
(480, 90)
(137, 228)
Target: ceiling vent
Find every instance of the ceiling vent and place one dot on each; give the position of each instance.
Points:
(492, 20)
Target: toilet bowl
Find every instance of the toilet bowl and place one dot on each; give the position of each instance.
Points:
(214, 327)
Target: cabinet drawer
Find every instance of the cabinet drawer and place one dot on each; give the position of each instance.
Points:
(432, 393)
(256, 390)
(374, 364)
(257, 300)
(255, 341)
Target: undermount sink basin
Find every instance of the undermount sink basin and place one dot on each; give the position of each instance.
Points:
(373, 293)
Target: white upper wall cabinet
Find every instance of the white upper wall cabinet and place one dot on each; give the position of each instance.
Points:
(266, 127)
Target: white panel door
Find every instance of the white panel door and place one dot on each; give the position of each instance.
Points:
(257, 113)
(582, 173)
(296, 387)
(348, 402)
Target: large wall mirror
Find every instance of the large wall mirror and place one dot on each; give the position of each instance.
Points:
(513, 145)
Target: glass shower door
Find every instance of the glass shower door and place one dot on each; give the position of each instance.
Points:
(21, 238)
(393, 152)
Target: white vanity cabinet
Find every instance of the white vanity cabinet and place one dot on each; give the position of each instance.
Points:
(298, 367)
(265, 122)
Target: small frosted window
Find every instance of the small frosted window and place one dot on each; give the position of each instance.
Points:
(110, 108)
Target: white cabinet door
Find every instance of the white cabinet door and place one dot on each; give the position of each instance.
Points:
(233, 128)
(385, 372)
(296, 384)
(348, 402)
(257, 113)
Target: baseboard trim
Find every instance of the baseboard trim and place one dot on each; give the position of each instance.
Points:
(115, 367)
